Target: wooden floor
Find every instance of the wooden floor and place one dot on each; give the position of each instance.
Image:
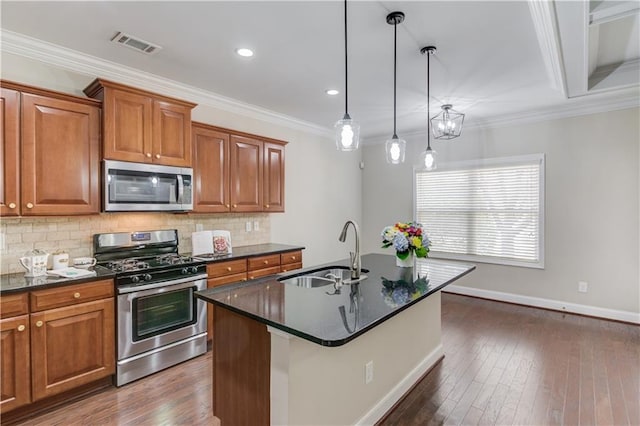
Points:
(504, 364)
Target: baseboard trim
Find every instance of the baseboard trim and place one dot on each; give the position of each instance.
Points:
(555, 305)
(398, 391)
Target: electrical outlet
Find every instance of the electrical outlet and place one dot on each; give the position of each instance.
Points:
(199, 227)
(247, 226)
(256, 225)
(583, 286)
(368, 372)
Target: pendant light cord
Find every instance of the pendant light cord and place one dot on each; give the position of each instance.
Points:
(428, 119)
(395, 44)
(346, 68)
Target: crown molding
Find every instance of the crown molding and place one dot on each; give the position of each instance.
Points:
(81, 63)
(543, 14)
(574, 107)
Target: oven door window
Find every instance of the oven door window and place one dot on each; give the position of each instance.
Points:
(163, 312)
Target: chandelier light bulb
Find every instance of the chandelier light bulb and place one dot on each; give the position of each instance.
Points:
(346, 137)
(395, 149)
(429, 159)
(347, 134)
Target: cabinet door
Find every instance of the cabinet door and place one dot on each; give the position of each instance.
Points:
(246, 174)
(215, 282)
(171, 134)
(71, 346)
(15, 372)
(9, 152)
(60, 157)
(127, 126)
(273, 192)
(210, 170)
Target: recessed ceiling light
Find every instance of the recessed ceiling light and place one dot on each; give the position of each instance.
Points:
(331, 92)
(243, 51)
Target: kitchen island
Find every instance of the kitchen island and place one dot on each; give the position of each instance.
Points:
(290, 354)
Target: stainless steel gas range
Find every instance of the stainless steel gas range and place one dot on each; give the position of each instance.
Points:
(160, 322)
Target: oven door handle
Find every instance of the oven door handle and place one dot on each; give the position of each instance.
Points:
(172, 284)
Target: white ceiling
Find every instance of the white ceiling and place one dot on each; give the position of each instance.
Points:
(489, 62)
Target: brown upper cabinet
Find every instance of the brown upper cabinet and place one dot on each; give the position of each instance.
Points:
(50, 153)
(143, 127)
(236, 172)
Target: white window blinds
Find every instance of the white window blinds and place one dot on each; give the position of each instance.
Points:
(490, 211)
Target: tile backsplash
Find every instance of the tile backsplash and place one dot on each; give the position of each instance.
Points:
(75, 234)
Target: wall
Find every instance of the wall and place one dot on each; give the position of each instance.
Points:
(592, 205)
(322, 188)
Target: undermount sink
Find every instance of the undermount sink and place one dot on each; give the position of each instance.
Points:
(319, 277)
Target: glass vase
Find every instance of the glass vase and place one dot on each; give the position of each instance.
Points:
(406, 263)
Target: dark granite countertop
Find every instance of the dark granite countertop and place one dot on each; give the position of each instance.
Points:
(10, 283)
(13, 283)
(328, 320)
(249, 251)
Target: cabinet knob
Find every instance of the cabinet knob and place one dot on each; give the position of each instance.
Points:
(266, 262)
(244, 279)
(285, 270)
(21, 327)
(157, 155)
(229, 268)
(12, 205)
(266, 206)
(235, 205)
(76, 295)
(250, 277)
(39, 324)
(29, 205)
(293, 258)
(148, 155)
(227, 205)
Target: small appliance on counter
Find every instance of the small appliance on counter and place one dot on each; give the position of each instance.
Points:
(35, 262)
(211, 243)
(60, 259)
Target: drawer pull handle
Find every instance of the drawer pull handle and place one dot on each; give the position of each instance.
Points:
(266, 262)
(12, 205)
(148, 155)
(21, 327)
(29, 205)
(157, 155)
(39, 324)
(229, 268)
(76, 295)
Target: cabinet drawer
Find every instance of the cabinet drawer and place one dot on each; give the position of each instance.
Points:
(229, 267)
(12, 305)
(261, 262)
(290, 267)
(263, 272)
(71, 295)
(291, 257)
(227, 279)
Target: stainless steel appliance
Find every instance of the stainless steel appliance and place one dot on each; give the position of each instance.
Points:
(146, 187)
(160, 322)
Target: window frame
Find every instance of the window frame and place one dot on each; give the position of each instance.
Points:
(485, 163)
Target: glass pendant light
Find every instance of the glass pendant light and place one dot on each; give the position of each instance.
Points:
(347, 130)
(428, 157)
(447, 124)
(395, 147)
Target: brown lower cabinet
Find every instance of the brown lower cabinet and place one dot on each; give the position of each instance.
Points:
(65, 342)
(234, 271)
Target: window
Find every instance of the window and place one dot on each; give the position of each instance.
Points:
(486, 211)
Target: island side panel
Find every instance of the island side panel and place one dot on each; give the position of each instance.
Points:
(326, 385)
(241, 369)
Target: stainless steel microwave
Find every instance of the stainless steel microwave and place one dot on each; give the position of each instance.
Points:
(146, 187)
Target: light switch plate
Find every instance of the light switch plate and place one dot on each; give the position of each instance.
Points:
(247, 226)
(256, 225)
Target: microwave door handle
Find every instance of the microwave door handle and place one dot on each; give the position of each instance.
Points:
(180, 189)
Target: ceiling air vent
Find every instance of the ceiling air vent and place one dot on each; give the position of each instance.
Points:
(135, 43)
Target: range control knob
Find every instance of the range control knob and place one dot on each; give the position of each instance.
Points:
(135, 279)
(193, 269)
(184, 271)
(147, 277)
